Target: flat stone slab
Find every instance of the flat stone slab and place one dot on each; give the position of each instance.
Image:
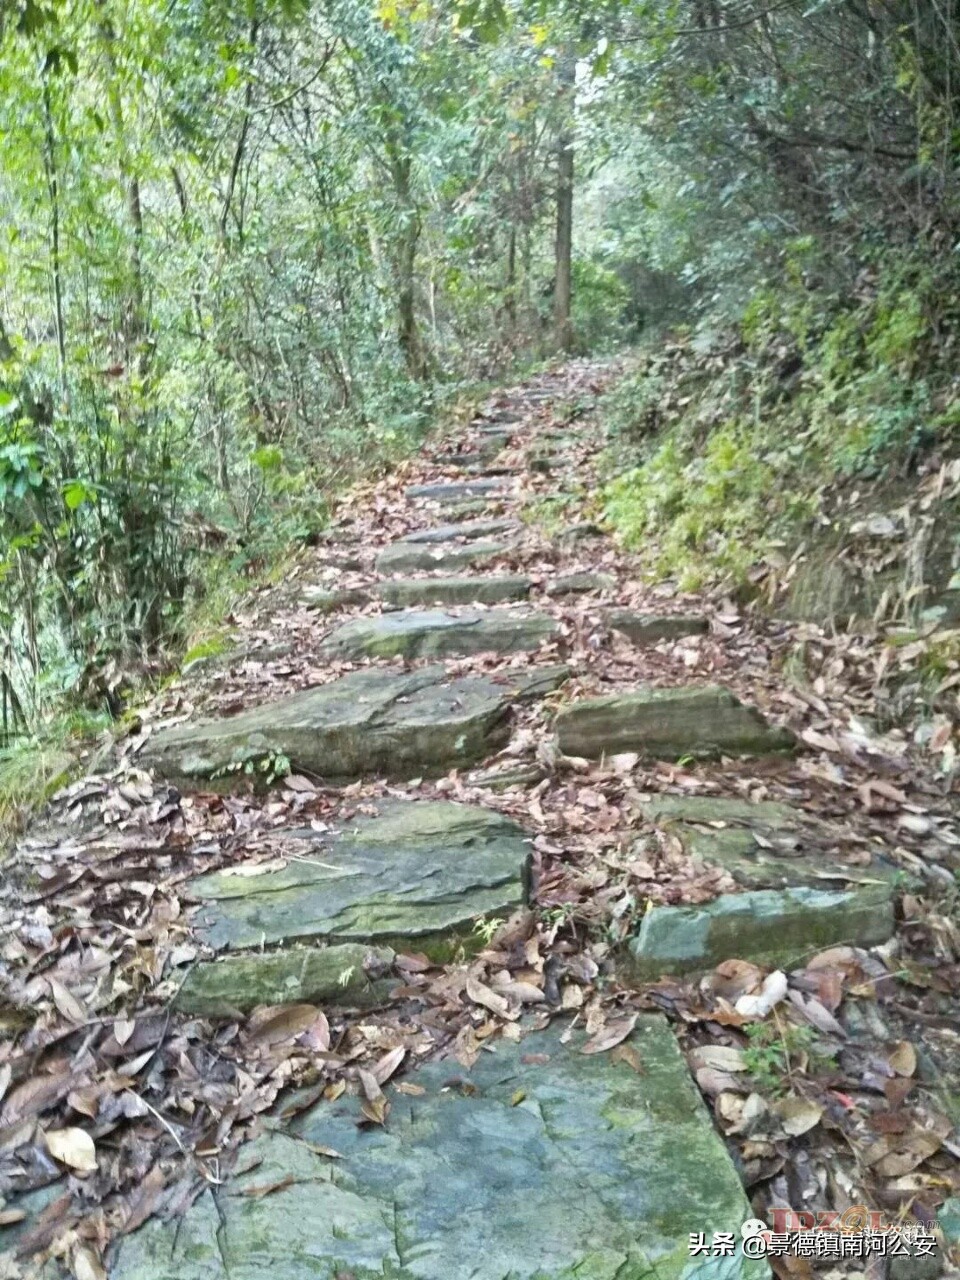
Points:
(651, 628)
(572, 584)
(767, 845)
(469, 529)
(456, 490)
(538, 1163)
(348, 974)
(668, 723)
(769, 927)
(413, 557)
(330, 599)
(495, 589)
(420, 875)
(363, 724)
(429, 633)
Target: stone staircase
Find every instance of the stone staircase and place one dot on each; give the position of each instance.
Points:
(546, 1158)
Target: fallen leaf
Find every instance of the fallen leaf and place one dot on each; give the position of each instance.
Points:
(610, 1035)
(797, 1115)
(73, 1147)
(903, 1058)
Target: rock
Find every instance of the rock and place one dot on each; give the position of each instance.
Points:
(772, 928)
(329, 600)
(455, 490)
(475, 506)
(651, 628)
(503, 778)
(363, 724)
(402, 592)
(570, 584)
(348, 974)
(418, 876)
(437, 634)
(413, 557)
(580, 532)
(536, 1163)
(469, 529)
(231, 658)
(765, 845)
(668, 723)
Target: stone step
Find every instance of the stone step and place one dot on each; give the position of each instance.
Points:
(494, 589)
(767, 845)
(467, 529)
(417, 876)
(343, 974)
(651, 628)
(360, 725)
(775, 928)
(539, 1162)
(572, 584)
(444, 491)
(413, 557)
(800, 896)
(330, 599)
(427, 633)
(668, 724)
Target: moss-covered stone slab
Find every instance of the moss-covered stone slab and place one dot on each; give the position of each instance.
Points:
(573, 584)
(492, 589)
(455, 490)
(766, 845)
(469, 530)
(330, 599)
(348, 974)
(768, 927)
(668, 723)
(433, 633)
(415, 557)
(361, 725)
(540, 1163)
(420, 874)
(651, 628)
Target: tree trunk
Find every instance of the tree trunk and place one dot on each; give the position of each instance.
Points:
(563, 284)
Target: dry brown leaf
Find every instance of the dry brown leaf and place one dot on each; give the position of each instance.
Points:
(72, 1147)
(903, 1058)
(86, 1264)
(487, 998)
(388, 1064)
(612, 1034)
(69, 1006)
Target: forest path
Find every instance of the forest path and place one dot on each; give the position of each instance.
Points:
(396, 1013)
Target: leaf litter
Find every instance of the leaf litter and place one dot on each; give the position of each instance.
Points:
(832, 1083)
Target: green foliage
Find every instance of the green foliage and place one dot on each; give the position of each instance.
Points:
(31, 770)
(775, 1050)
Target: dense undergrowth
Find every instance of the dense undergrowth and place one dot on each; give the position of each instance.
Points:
(746, 442)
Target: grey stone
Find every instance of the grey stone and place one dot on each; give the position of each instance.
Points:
(413, 557)
(232, 658)
(667, 723)
(363, 724)
(777, 928)
(475, 506)
(330, 599)
(455, 490)
(765, 845)
(437, 634)
(496, 589)
(569, 584)
(469, 529)
(504, 778)
(580, 532)
(421, 873)
(347, 974)
(651, 628)
(546, 1164)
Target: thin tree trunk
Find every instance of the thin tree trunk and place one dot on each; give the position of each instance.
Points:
(53, 187)
(563, 283)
